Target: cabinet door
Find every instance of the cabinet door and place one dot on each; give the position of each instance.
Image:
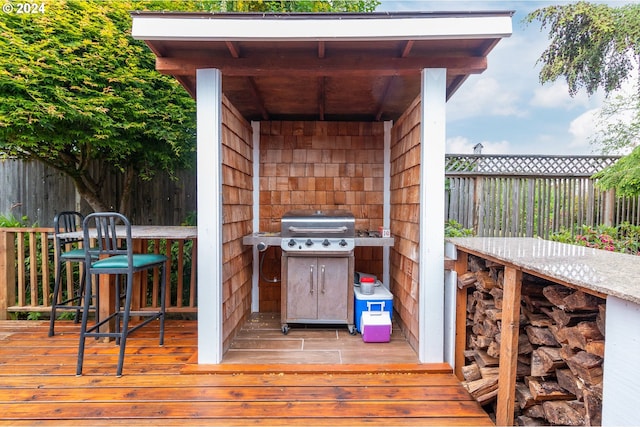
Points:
(333, 287)
(302, 288)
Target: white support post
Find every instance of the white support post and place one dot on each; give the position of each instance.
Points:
(386, 200)
(255, 284)
(432, 137)
(209, 163)
(621, 349)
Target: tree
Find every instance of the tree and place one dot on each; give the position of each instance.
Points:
(591, 45)
(595, 46)
(299, 6)
(79, 94)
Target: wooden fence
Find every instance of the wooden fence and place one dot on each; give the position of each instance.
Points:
(27, 273)
(495, 195)
(39, 192)
(516, 196)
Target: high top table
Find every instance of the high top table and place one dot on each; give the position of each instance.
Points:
(139, 234)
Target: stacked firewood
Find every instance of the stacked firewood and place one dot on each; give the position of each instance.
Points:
(560, 347)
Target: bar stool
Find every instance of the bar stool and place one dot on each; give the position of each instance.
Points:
(109, 258)
(67, 250)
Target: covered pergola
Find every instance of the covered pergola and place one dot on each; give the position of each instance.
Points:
(324, 67)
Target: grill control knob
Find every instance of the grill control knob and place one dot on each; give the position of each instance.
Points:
(292, 243)
(325, 243)
(309, 242)
(343, 243)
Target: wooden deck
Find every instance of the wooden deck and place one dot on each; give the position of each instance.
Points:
(261, 382)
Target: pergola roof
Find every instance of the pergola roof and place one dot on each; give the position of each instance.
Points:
(322, 66)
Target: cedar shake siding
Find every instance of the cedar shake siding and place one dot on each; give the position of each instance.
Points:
(237, 194)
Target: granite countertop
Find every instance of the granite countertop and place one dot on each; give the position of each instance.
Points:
(601, 271)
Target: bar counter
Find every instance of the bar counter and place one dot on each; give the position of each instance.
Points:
(599, 271)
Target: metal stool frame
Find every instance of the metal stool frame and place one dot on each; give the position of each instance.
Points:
(66, 222)
(115, 260)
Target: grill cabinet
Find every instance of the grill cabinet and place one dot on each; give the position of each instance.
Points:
(317, 268)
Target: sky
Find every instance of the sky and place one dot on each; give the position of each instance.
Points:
(506, 108)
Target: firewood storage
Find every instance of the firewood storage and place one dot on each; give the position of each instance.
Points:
(535, 320)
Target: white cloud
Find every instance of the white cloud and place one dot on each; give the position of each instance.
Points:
(556, 95)
(484, 97)
(582, 128)
(462, 145)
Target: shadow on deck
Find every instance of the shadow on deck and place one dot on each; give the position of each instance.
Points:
(260, 382)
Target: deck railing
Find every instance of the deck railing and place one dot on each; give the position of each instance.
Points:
(27, 273)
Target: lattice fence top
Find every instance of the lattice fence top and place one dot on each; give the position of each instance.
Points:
(480, 164)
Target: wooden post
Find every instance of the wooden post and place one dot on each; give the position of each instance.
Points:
(461, 315)
(609, 207)
(7, 272)
(509, 346)
(478, 221)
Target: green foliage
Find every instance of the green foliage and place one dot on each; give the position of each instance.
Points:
(618, 124)
(596, 46)
(75, 87)
(453, 228)
(299, 6)
(625, 238)
(591, 45)
(34, 315)
(623, 175)
(10, 221)
(191, 219)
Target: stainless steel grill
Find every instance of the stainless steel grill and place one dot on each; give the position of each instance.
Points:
(317, 267)
(317, 231)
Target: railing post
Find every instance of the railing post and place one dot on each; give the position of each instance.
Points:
(7, 272)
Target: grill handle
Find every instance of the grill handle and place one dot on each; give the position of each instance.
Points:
(311, 277)
(325, 230)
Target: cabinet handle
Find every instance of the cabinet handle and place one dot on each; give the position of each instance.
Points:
(311, 279)
(322, 277)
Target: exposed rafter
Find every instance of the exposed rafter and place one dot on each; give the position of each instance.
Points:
(345, 67)
(405, 52)
(234, 50)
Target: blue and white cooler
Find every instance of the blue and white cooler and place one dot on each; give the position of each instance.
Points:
(380, 300)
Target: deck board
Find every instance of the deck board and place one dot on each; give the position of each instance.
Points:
(163, 386)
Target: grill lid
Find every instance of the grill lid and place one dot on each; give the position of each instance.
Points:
(317, 223)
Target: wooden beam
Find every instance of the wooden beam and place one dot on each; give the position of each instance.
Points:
(406, 49)
(461, 267)
(383, 98)
(385, 93)
(510, 332)
(314, 67)
(321, 97)
(234, 48)
(258, 97)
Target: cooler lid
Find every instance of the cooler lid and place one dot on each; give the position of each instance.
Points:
(379, 293)
(375, 318)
